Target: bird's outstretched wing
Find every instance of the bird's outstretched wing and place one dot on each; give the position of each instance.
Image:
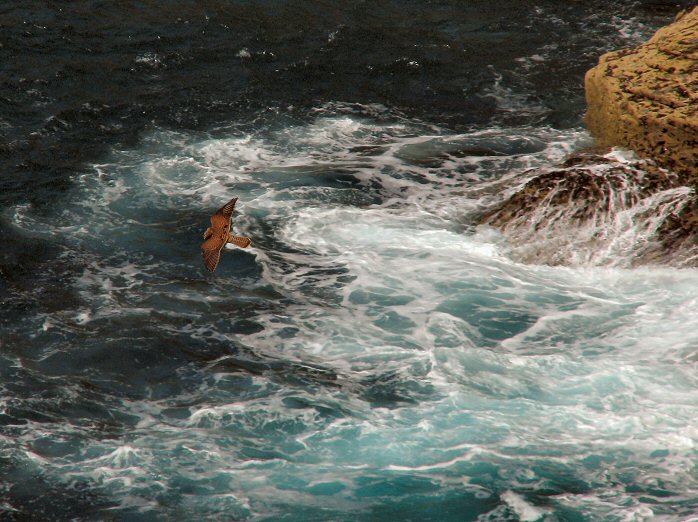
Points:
(220, 234)
(221, 219)
(241, 241)
(211, 251)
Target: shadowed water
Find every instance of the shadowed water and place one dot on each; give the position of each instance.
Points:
(374, 355)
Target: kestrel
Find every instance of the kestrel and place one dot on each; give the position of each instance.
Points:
(217, 235)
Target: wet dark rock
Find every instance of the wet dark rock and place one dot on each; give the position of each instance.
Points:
(597, 208)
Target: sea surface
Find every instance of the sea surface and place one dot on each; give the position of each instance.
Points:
(374, 355)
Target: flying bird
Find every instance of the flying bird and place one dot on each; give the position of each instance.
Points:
(218, 234)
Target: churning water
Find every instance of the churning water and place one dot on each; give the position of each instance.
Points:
(374, 355)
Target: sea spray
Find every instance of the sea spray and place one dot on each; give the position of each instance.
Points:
(376, 354)
(596, 210)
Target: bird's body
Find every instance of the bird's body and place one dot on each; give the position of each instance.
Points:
(218, 234)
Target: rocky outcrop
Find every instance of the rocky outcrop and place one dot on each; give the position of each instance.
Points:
(646, 98)
(599, 209)
(602, 207)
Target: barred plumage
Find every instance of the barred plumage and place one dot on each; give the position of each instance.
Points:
(219, 234)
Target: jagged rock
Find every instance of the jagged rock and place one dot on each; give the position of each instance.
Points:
(599, 209)
(646, 98)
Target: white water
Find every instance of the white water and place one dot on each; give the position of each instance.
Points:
(421, 363)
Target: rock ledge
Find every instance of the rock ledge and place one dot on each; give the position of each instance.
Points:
(646, 98)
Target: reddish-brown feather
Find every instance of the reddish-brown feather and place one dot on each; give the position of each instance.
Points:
(241, 241)
(220, 234)
(222, 216)
(211, 252)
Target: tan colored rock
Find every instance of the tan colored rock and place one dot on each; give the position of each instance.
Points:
(601, 207)
(646, 98)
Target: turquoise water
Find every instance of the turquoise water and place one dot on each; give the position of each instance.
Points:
(372, 356)
(375, 355)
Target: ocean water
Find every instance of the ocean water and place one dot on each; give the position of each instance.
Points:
(375, 354)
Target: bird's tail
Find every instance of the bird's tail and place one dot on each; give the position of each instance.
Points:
(241, 241)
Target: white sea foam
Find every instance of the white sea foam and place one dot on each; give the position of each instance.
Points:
(525, 511)
(395, 343)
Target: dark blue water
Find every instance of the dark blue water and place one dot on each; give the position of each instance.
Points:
(374, 355)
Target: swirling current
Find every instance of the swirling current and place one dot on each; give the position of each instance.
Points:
(375, 355)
